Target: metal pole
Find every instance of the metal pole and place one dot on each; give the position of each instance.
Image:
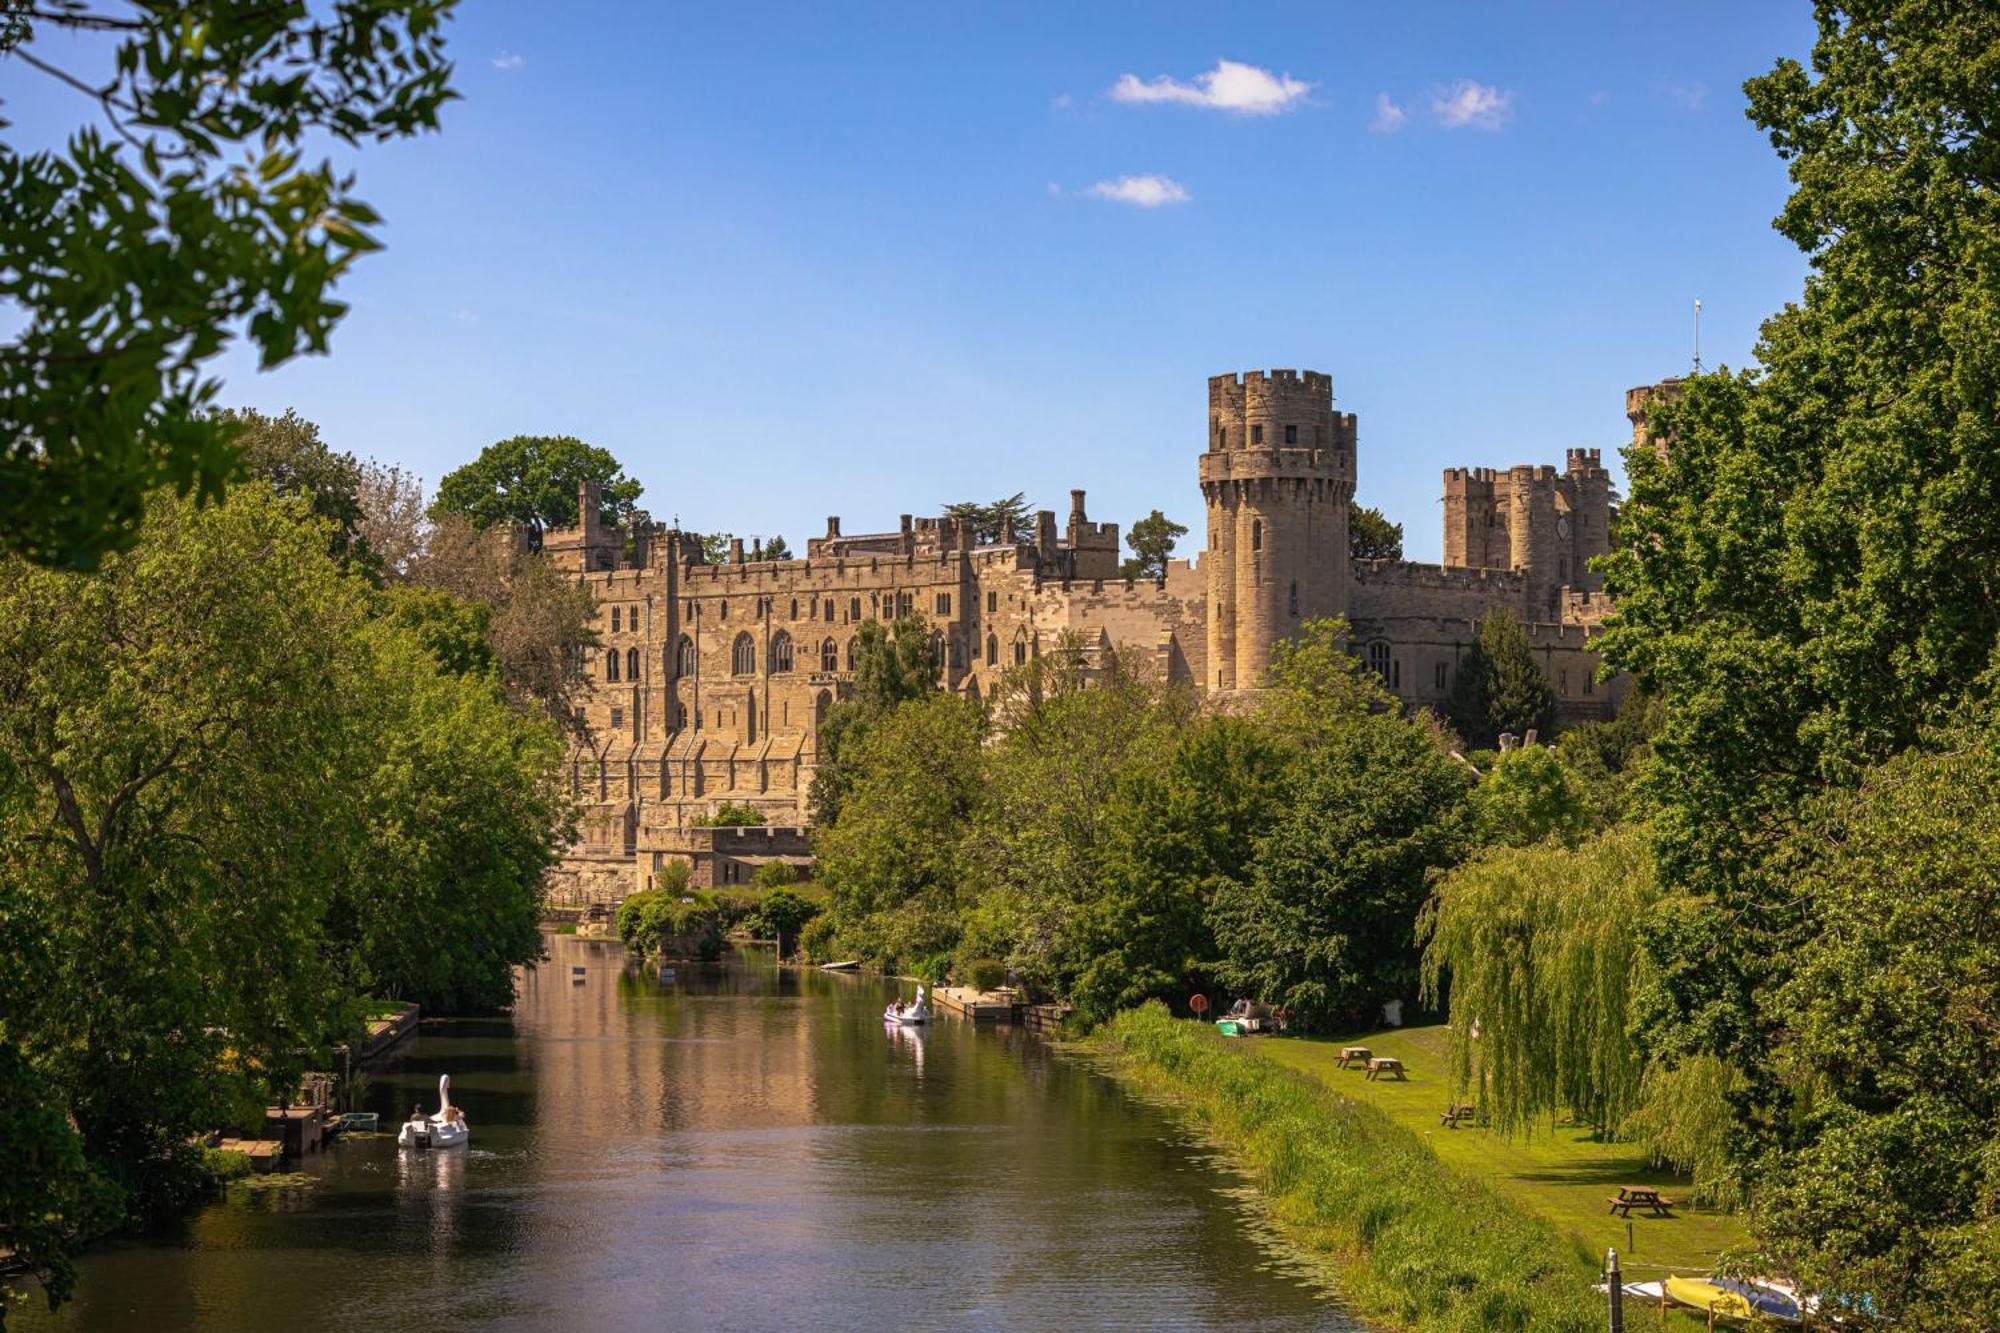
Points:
(1614, 1288)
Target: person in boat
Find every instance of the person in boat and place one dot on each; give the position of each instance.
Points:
(456, 1115)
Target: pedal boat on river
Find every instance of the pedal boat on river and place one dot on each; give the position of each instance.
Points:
(914, 1014)
(446, 1129)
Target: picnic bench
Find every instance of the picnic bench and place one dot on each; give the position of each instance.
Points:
(1640, 1196)
(1458, 1113)
(1383, 1066)
(1351, 1056)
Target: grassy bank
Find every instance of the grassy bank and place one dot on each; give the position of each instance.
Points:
(1561, 1174)
(1416, 1243)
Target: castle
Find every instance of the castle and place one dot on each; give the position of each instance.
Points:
(712, 679)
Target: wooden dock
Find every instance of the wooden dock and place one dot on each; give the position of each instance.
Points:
(264, 1154)
(996, 1006)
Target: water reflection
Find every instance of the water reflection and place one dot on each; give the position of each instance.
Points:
(736, 1146)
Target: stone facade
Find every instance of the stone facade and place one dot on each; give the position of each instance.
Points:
(711, 679)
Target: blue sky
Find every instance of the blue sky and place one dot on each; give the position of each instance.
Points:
(790, 261)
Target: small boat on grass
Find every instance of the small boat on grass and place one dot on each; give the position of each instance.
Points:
(914, 1014)
(845, 965)
(446, 1129)
(1729, 1298)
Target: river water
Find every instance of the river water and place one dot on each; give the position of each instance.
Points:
(737, 1147)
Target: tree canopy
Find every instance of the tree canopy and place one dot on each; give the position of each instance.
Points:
(144, 248)
(533, 480)
(1152, 541)
(1499, 687)
(996, 521)
(1370, 535)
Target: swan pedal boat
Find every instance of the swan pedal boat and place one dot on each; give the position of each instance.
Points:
(914, 1014)
(443, 1130)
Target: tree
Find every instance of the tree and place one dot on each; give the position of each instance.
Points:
(393, 524)
(895, 863)
(1317, 688)
(1152, 541)
(1529, 795)
(715, 547)
(1321, 923)
(776, 548)
(134, 258)
(1537, 948)
(533, 480)
(890, 666)
(784, 912)
(1499, 688)
(287, 454)
(1000, 521)
(1371, 536)
(733, 814)
(1607, 756)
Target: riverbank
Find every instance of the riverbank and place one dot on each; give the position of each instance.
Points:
(1413, 1242)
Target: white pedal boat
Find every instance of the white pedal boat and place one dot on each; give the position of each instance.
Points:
(446, 1129)
(914, 1014)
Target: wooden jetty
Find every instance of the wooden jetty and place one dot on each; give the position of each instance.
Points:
(995, 1006)
(264, 1154)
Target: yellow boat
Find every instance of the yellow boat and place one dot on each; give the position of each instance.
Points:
(1732, 1300)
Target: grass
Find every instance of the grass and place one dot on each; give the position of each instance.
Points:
(1414, 1242)
(1563, 1175)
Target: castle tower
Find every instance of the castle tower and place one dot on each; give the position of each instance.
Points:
(1639, 403)
(1277, 478)
(1590, 519)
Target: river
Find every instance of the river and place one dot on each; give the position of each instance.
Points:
(737, 1147)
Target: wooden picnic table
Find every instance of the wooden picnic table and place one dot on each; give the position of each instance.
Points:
(1458, 1113)
(1382, 1066)
(1353, 1055)
(1640, 1196)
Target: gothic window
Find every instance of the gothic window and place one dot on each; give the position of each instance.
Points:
(829, 656)
(937, 650)
(1378, 659)
(943, 604)
(614, 620)
(992, 651)
(1295, 597)
(743, 656)
(1291, 435)
(795, 608)
(905, 603)
(829, 610)
(992, 602)
(1256, 534)
(611, 665)
(631, 664)
(684, 657)
(854, 608)
(1020, 651)
(781, 652)
(850, 651)
(1256, 435)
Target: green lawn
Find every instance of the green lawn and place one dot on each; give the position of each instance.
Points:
(1562, 1173)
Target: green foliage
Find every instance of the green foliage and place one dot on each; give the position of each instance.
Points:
(983, 974)
(1321, 926)
(665, 923)
(715, 547)
(1685, 1121)
(994, 523)
(1317, 688)
(818, 940)
(455, 632)
(287, 454)
(673, 877)
(889, 667)
(1499, 687)
(1537, 949)
(1152, 541)
(1528, 795)
(49, 1195)
(1607, 756)
(133, 261)
(782, 914)
(777, 548)
(1419, 1245)
(775, 875)
(732, 814)
(533, 480)
(224, 1165)
(895, 863)
(1371, 536)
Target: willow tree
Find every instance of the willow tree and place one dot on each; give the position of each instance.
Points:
(1536, 947)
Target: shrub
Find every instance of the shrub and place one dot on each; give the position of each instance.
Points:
(818, 939)
(731, 815)
(775, 875)
(782, 914)
(224, 1165)
(983, 974)
(672, 925)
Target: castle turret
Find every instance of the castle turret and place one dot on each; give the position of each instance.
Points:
(1639, 404)
(1277, 478)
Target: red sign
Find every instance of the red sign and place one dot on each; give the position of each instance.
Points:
(1198, 1003)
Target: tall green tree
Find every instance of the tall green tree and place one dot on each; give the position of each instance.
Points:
(1370, 534)
(1499, 686)
(287, 454)
(1529, 795)
(994, 522)
(1322, 923)
(533, 480)
(184, 218)
(890, 666)
(1152, 541)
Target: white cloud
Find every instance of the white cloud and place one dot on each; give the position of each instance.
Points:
(1230, 86)
(464, 316)
(1388, 116)
(1059, 101)
(1055, 189)
(1469, 105)
(1689, 95)
(1142, 191)
(509, 61)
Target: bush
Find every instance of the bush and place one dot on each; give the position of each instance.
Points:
(818, 939)
(782, 915)
(775, 875)
(731, 815)
(672, 925)
(738, 909)
(223, 1165)
(983, 974)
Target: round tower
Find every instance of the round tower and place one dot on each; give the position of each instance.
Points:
(1277, 478)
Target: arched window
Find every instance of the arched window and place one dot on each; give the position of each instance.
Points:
(795, 608)
(614, 620)
(992, 651)
(684, 657)
(937, 650)
(611, 665)
(829, 656)
(1020, 651)
(781, 652)
(631, 664)
(743, 656)
(850, 651)
(1256, 538)
(854, 608)
(1378, 659)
